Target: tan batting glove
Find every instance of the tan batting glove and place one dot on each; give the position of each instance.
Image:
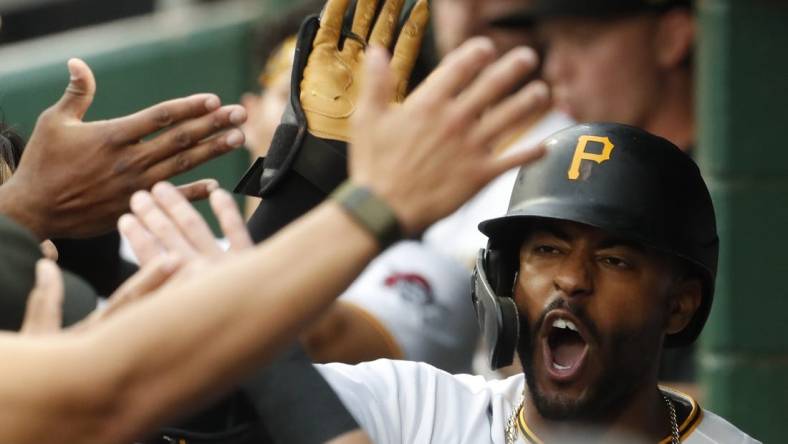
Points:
(331, 82)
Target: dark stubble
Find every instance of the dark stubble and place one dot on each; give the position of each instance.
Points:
(627, 357)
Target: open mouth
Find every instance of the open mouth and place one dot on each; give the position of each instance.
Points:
(565, 348)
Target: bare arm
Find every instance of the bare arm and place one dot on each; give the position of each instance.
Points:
(347, 333)
(140, 367)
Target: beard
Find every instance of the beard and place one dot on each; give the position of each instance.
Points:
(626, 365)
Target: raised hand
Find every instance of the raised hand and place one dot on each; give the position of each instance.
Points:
(75, 177)
(429, 155)
(331, 82)
(163, 223)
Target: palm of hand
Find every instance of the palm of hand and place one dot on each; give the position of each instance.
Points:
(330, 88)
(331, 81)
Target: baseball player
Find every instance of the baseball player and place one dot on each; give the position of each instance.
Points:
(607, 254)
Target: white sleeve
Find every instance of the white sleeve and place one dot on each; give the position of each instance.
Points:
(423, 300)
(409, 402)
(714, 429)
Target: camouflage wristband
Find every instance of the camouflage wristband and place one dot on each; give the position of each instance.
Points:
(371, 212)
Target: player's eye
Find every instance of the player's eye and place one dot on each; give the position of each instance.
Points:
(546, 250)
(616, 262)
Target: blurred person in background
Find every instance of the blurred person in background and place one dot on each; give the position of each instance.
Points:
(628, 62)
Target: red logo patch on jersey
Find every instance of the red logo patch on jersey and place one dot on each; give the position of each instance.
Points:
(412, 287)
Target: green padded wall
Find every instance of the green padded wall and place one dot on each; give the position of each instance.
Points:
(743, 91)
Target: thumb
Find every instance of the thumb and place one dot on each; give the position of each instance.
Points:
(80, 90)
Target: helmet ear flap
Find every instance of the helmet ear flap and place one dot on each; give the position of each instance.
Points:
(497, 315)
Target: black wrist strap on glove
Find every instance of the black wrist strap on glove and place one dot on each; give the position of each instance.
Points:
(300, 169)
(369, 211)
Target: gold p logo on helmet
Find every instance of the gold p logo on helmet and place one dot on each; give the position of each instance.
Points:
(581, 154)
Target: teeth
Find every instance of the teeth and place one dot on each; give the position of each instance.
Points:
(560, 367)
(563, 323)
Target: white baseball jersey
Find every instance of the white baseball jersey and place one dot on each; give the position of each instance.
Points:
(408, 402)
(423, 300)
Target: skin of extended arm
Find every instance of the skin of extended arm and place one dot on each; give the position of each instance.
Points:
(347, 333)
(113, 382)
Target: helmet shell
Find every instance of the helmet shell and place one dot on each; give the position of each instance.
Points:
(625, 181)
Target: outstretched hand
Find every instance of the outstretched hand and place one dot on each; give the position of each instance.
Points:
(435, 151)
(75, 178)
(163, 224)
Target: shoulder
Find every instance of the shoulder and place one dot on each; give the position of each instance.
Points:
(417, 296)
(701, 426)
(715, 429)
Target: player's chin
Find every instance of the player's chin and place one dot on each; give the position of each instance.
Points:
(563, 403)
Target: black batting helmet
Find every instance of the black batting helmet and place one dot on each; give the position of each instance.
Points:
(615, 177)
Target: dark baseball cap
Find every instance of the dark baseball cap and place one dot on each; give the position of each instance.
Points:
(541, 9)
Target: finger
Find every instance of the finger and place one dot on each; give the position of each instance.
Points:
(408, 46)
(142, 242)
(191, 132)
(331, 23)
(362, 20)
(141, 124)
(193, 156)
(230, 220)
(160, 225)
(500, 164)
(515, 111)
(496, 81)
(198, 190)
(386, 25)
(149, 278)
(49, 250)
(377, 87)
(188, 221)
(456, 71)
(44, 313)
(80, 90)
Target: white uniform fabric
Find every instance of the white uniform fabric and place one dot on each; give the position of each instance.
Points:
(458, 235)
(423, 299)
(408, 402)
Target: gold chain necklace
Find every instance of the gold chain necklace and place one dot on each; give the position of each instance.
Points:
(511, 431)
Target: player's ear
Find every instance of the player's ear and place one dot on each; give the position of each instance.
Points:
(675, 37)
(683, 303)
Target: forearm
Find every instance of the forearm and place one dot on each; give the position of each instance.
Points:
(51, 392)
(235, 323)
(348, 333)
